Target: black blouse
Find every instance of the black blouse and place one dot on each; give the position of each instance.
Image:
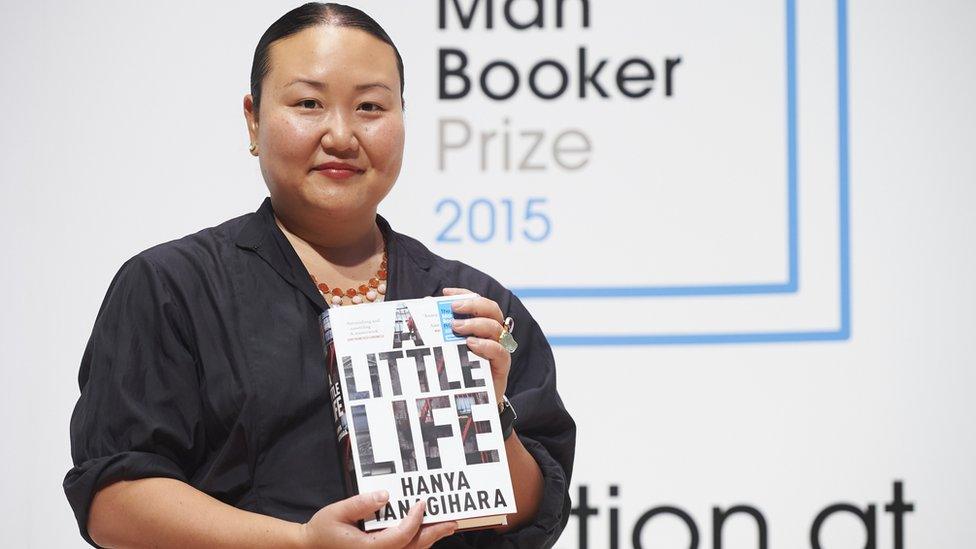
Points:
(205, 365)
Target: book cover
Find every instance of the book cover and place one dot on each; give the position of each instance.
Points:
(416, 413)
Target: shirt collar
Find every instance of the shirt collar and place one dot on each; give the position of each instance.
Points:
(410, 263)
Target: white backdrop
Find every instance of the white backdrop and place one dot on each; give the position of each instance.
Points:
(758, 287)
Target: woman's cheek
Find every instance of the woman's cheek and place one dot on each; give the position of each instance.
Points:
(387, 139)
(291, 136)
(287, 147)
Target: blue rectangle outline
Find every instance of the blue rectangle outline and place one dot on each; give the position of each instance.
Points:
(843, 332)
(792, 283)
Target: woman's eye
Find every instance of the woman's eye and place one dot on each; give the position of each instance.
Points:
(309, 103)
(371, 107)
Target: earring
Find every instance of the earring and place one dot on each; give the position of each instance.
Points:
(253, 148)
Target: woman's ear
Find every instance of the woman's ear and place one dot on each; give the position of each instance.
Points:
(252, 122)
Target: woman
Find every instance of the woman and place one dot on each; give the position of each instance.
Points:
(204, 418)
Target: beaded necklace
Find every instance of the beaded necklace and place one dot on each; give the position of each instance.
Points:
(368, 291)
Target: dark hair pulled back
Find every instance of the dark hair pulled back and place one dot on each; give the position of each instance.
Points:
(309, 15)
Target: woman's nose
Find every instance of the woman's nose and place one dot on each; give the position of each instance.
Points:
(339, 135)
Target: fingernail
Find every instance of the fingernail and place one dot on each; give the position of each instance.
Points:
(471, 341)
(458, 323)
(380, 496)
(457, 305)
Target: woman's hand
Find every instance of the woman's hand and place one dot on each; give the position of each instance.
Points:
(483, 331)
(334, 526)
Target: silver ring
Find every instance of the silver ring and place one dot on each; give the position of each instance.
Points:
(505, 338)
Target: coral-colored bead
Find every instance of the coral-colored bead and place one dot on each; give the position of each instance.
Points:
(381, 274)
(337, 292)
(350, 293)
(383, 264)
(324, 288)
(373, 283)
(363, 289)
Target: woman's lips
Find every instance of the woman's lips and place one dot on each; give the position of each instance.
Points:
(338, 173)
(337, 170)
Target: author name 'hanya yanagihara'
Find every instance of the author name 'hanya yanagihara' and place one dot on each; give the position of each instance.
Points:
(447, 492)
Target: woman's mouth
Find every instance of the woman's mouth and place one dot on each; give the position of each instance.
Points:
(338, 170)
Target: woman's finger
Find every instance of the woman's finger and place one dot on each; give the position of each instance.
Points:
(359, 506)
(487, 328)
(489, 349)
(401, 534)
(498, 358)
(428, 535)
(480, 307)
(457, 291)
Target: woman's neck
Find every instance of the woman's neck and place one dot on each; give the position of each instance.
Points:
(346, 246)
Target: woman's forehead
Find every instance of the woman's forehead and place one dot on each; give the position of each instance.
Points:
(328, 52)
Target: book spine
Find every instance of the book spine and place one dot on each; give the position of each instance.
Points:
(343, 441)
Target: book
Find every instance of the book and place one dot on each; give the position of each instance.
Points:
(415, 413)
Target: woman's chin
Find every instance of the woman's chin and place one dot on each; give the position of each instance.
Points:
(339, 205)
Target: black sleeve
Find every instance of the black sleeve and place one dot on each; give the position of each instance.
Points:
(545, 428)
(139, 412)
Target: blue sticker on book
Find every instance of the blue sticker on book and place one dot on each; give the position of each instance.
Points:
(447, 316)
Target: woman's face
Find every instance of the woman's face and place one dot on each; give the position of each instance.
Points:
(329, 130)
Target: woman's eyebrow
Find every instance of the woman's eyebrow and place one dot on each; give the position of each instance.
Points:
(372, 85)
(314, 83)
